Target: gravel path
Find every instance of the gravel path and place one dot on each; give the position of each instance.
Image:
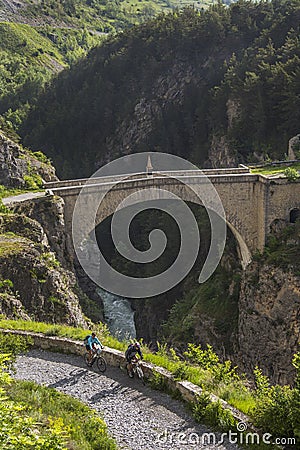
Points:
(137, 416)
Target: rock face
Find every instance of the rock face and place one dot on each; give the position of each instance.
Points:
(294, 147)
(32, 282)
(221, 154)
(49, 213)
(10, 306)
(269, 321)
(17, 163)
(168, 89)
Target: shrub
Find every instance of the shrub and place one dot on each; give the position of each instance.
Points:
(33, 181)
(6, 285)
(13, 345)
(205, 358)
(50, 260)
(277, 408)
(212, 413)
(3, 208)
(180, 373)
(273, 411)
(18, 431)
(291, 174)
(41, 157)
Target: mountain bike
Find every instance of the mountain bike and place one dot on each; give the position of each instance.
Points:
(136, 370)
(100, 361)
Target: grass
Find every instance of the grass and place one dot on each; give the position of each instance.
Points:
(63, 331)
(83, 429)
(27, 42)
(12, 244)
(41, 411)
(10, 192)
(273, 170)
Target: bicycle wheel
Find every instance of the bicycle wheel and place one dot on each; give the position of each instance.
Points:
(86, 359)
(101, 364)
(140, 374)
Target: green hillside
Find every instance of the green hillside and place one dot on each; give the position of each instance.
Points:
(197, 84)
(29, 57)
(99, 15)
(40, 38)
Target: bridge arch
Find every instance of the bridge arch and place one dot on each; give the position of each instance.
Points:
(294, 215)
(113, 198)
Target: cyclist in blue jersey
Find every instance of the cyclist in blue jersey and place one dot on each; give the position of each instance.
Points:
(91, 345)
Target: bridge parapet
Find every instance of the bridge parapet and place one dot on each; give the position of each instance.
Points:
(176, 173)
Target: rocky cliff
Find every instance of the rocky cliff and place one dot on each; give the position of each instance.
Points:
(269, 321)
(34, 256)
(49, 213)
(269, 307)
(32, 281)
(21, 168)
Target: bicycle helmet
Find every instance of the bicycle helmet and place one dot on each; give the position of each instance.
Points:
(137, 345)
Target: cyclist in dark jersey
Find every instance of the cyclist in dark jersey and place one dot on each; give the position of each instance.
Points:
(130, 354)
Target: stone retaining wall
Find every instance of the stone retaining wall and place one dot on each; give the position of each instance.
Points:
(116, 358)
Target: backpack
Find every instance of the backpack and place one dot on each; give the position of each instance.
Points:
(85, 340)
(128, 351)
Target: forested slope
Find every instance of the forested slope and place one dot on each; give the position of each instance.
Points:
(29, 57)
(217, 87)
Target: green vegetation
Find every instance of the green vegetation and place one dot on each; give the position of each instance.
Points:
(11, 244)
(62, 331)
(40, 157)
(50, 260)
(276, 169)
(3, 208)
(41, 418)
(27, 62)
(217, 300)
(213, 414)
(6, 285)
(242, 66)
(102, 15)
(10, 192)
(33, 182)
(12, 345)
(73, 424)
(292, 174)
(282, 249)
(29, 58)
(31, 55)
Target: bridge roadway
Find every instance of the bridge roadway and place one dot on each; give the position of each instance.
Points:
(142, 175)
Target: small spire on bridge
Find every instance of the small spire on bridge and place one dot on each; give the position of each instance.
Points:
(149, 167)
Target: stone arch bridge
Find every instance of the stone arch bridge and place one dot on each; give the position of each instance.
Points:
(252, 202)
